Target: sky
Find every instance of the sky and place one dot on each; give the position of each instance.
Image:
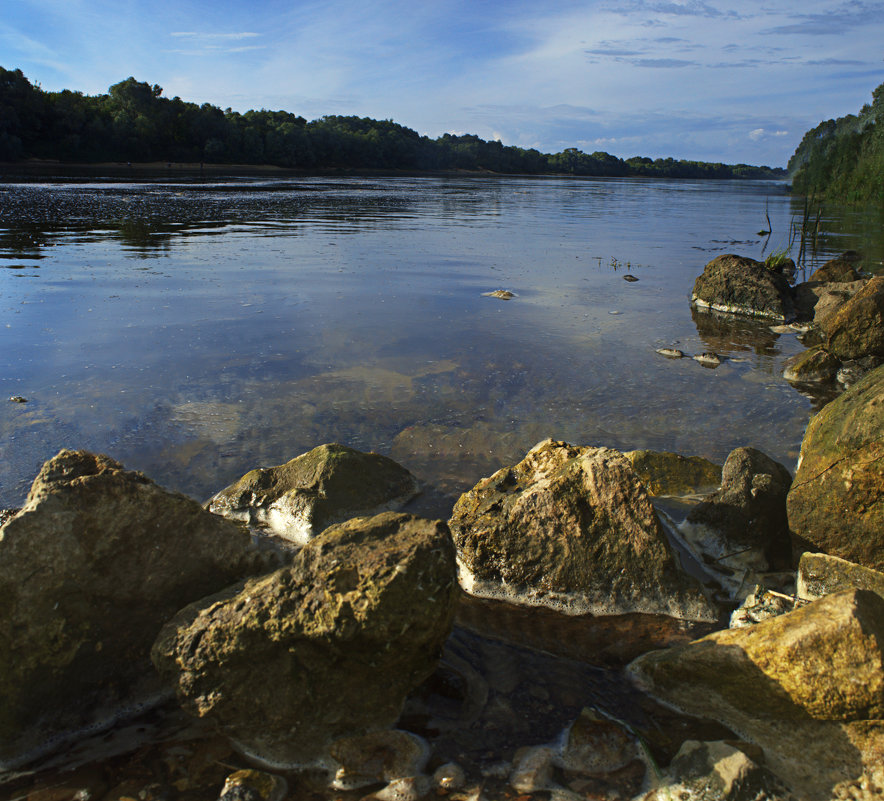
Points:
(711, 80)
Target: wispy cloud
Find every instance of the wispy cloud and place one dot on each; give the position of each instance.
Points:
(833, 22)
(689, 8)
(209, 37)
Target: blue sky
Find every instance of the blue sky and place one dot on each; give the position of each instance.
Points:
(701, 79)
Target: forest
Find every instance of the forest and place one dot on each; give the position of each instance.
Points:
(134, 122)
(843, 159)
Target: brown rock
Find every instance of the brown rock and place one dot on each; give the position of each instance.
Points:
(90, 569)
(857, 328)
(796, 685)
(326, 648)
(739, 285)
(572, 528)
(820, 574)
(836, 503)
(838, 270)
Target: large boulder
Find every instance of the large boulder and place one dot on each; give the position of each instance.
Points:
(573, 528)
(857, 328)
(325, 648)
(803, 686)
(740, 285)
(743, 526)
(330, 484)
(665, 473)
(836, 502)
(97, 560)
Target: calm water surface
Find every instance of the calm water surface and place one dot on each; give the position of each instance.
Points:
(197, 330)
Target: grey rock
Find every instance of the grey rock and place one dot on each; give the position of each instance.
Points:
(740, 285)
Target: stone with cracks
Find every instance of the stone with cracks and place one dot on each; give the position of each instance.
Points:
(836, 503)
(326, 648)
(97, 560)
(330, 484)
(573, 528)
(820, 574)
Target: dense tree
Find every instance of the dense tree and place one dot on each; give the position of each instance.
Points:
(134, 122)
(844, 158)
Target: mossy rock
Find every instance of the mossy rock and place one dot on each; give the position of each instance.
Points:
(838, 270)
(857, 328)
(740, 285)
(812, 366)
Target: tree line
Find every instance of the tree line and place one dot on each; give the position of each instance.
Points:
(843, 159)
(133, 122)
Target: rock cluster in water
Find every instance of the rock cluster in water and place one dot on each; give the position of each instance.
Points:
(309, 655)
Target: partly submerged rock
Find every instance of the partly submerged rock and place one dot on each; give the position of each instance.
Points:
(805, 687)
(742, 527)
(665, 473)
(836, 502)
(740, 285)
(91, 568)
(324, 649)
(837, 269)
(812, 366)
(330, 484)
(573, 528)
(820, 574)
(816, 302)
(857, 328)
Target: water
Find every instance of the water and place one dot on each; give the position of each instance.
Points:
(197, 330)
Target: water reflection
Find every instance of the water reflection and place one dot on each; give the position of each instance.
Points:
(274, 316)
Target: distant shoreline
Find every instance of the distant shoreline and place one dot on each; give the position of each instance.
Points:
(34, 168)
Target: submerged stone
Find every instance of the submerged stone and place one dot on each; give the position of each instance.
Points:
(665, 473)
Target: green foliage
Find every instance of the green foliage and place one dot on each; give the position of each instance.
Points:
(844, 159)
(134, 122)
(777, 260)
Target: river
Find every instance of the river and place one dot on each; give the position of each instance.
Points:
(197, 329)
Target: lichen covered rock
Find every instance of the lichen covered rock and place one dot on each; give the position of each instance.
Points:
(836, 503)
(740, 285)
(573, 528)
(330, 484)
(90, 569)
(326, 648)
(839, 269)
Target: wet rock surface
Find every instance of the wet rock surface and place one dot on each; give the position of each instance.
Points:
(329, 484)
(573, 528)
(323, 649)
(821, 574)
(90, 569)
(839, 270)
(740, 285)
(835, 502)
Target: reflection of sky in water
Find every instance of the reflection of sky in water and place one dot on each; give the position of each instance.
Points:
(196, 332)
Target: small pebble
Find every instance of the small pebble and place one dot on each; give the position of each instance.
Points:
(708, 359)
(503, 294)
(671, 353)
(449, 776)
(253, 785)
(629, 278)
(18, 399)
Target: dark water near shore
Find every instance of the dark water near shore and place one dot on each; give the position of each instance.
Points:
(197, 330)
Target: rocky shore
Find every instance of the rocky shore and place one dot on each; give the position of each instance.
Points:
(588, 624)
